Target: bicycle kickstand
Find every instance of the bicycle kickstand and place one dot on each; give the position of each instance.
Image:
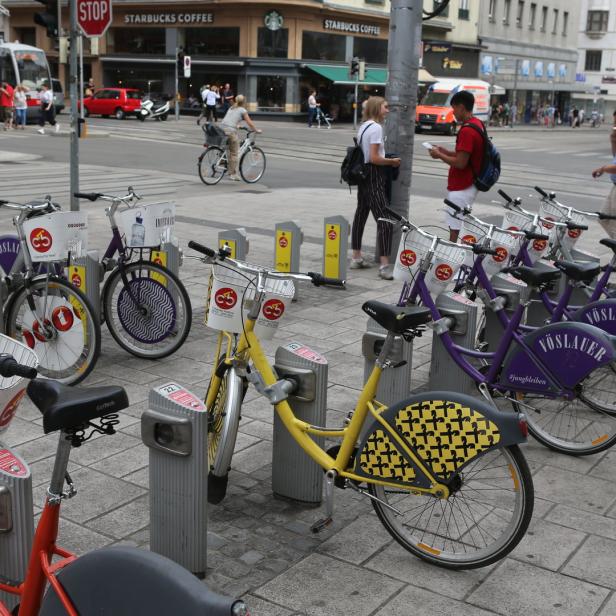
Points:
(319, 525)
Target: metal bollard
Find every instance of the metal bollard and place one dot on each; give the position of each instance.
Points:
(288, 238)
(335, 246)
(460, 316)
(175, 429)
(294, 475)
(86, 273)
(512, 291)
(395, 383)
(236, 240)
(169, 255)
(16, 520)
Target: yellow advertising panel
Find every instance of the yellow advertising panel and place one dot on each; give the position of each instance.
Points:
(283, 250)
(160, 258)
(332, 251)
(230, 244)
(77, 277)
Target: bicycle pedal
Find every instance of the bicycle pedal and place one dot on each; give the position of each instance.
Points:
(321, 525)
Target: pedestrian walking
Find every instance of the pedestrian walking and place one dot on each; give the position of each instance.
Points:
(312, 107)
(21, 106)
(227, 97)
(514, 114)
(372, 190)
(204, 91)
(609, 207)
(465, 161)
(575, 114)
(211, 99)
(6, 104)
(236, 114)
(89, 89)
(48, 113)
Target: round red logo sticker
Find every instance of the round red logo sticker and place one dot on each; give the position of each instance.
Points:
(547, 225)
(443, 272)
(469, 239)
(28, 338)
(539, 245)
(501, 254)
(513, 228)
(273, 309)
(76, 280)
(9, 410)
(408, 257)
(283, 242)
(40, 239)
(226, 298)
(62, 318)
(36, 330)
(331, 234)
(574, 233)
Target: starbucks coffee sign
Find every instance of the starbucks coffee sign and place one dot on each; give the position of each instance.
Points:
(352, 27)
(168, 18)
(273, 20)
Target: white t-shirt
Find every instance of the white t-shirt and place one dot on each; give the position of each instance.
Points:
(312, 102)
(46, 97)
(372, 133)
(204, 94)
(211, 97)
(20, 100)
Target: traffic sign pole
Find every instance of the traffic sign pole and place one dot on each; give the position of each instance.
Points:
(74, 162)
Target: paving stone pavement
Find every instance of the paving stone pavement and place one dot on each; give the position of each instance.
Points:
(261, 547)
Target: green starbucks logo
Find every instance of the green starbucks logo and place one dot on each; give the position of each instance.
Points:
(273, 20)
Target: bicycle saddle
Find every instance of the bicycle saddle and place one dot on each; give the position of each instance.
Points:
(66, 407)
(610, 243)
(397, 319)
(534, 276)
(582, 271)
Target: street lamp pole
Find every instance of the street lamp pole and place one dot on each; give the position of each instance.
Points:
(515, 80)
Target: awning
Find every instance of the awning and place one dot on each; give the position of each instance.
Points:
(374, 76)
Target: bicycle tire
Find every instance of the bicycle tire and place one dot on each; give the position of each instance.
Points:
(223, 423)
(61, 306)
(431, 543)
(253, 162)
(209, 170)
(166, 324)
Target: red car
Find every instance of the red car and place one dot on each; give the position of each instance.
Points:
(118, 102)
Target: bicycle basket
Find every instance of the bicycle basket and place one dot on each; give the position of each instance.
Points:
(517, 221)
(445, 262)
(52, 236)
(230, 296)
(147, 226)
(506, 246)
(214, 135)
(12, 389)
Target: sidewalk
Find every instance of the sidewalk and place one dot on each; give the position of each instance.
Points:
(261, 547)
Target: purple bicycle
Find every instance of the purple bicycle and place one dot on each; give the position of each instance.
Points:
(146, 307)
(547, 373)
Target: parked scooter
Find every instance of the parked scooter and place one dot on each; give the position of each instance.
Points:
(150, 108)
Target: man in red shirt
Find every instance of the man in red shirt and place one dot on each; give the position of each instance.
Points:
(465, 161)
(6, 104)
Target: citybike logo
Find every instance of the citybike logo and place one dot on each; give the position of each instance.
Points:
(332, 235)
(41, 239)
(225, 298)
(540, 245)
(283, 242)
(408, 257)
(443, 272)
(469, 239)
(512, 228)
(501, 254)
(62, 318)
(76, 280)
(9, 411)
(574, 233)
(273, 309)
(547, 225)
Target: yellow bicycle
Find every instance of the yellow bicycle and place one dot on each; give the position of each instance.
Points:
(443, 470)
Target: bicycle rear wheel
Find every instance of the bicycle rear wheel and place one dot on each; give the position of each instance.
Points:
(57, 321)
(210, 167)
(252, 165)
(484, 518)
(158, 324)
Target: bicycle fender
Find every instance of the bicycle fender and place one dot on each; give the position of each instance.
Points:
(445, 430)
(570, 350)
(601, 314)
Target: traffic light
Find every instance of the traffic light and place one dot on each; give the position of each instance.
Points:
(49, 18)
(354, 67)
(180, 61)
(362, 70)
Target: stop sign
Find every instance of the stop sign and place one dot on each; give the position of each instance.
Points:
(94, 16)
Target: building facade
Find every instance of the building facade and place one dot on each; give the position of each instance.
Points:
(596, 69)
(530, 49)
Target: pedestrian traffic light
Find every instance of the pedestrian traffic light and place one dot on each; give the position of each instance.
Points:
(354, 67)
(180, 61)
(49, 18)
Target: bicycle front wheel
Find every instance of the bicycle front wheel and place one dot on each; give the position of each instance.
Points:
(484, 518)
(211, 167)
(252, 165)
(147, 309)
(57, 321)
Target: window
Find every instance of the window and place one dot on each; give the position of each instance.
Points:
(212, 41)
(271, 92)
(555, 28)
(436, 5)
(272, 43)
(532, 16)
(520, 15)
(565, 22)
(506, 10)
(492, 11)
(7, 71)
(373, 51)
(596, 21)
(463, 10)
(322, 46)
(544, 18)
(26, 36)
(593, 60)
(149, 41)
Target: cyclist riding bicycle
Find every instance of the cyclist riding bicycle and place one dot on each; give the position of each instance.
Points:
(236, 114)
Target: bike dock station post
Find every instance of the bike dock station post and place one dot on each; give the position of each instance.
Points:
(335, 246)
(288, 238)
(16, 520)
(294, 475)
(174, 428)
(236, 240)
(168, 255)
(459, 317)
(86, 274)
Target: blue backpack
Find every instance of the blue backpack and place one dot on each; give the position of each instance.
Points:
(491, 166)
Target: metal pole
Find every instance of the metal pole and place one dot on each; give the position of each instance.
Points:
(177, 86)
(81, 113)
(355, 105)
(74, 115)
(401, 93)
(515, 79)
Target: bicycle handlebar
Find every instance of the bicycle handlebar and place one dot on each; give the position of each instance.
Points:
(29, 206)
(204, 250)
(505, 196)
(89, 196)
(9, 367)
(541, 192)
(603, 216)
(113, 198)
